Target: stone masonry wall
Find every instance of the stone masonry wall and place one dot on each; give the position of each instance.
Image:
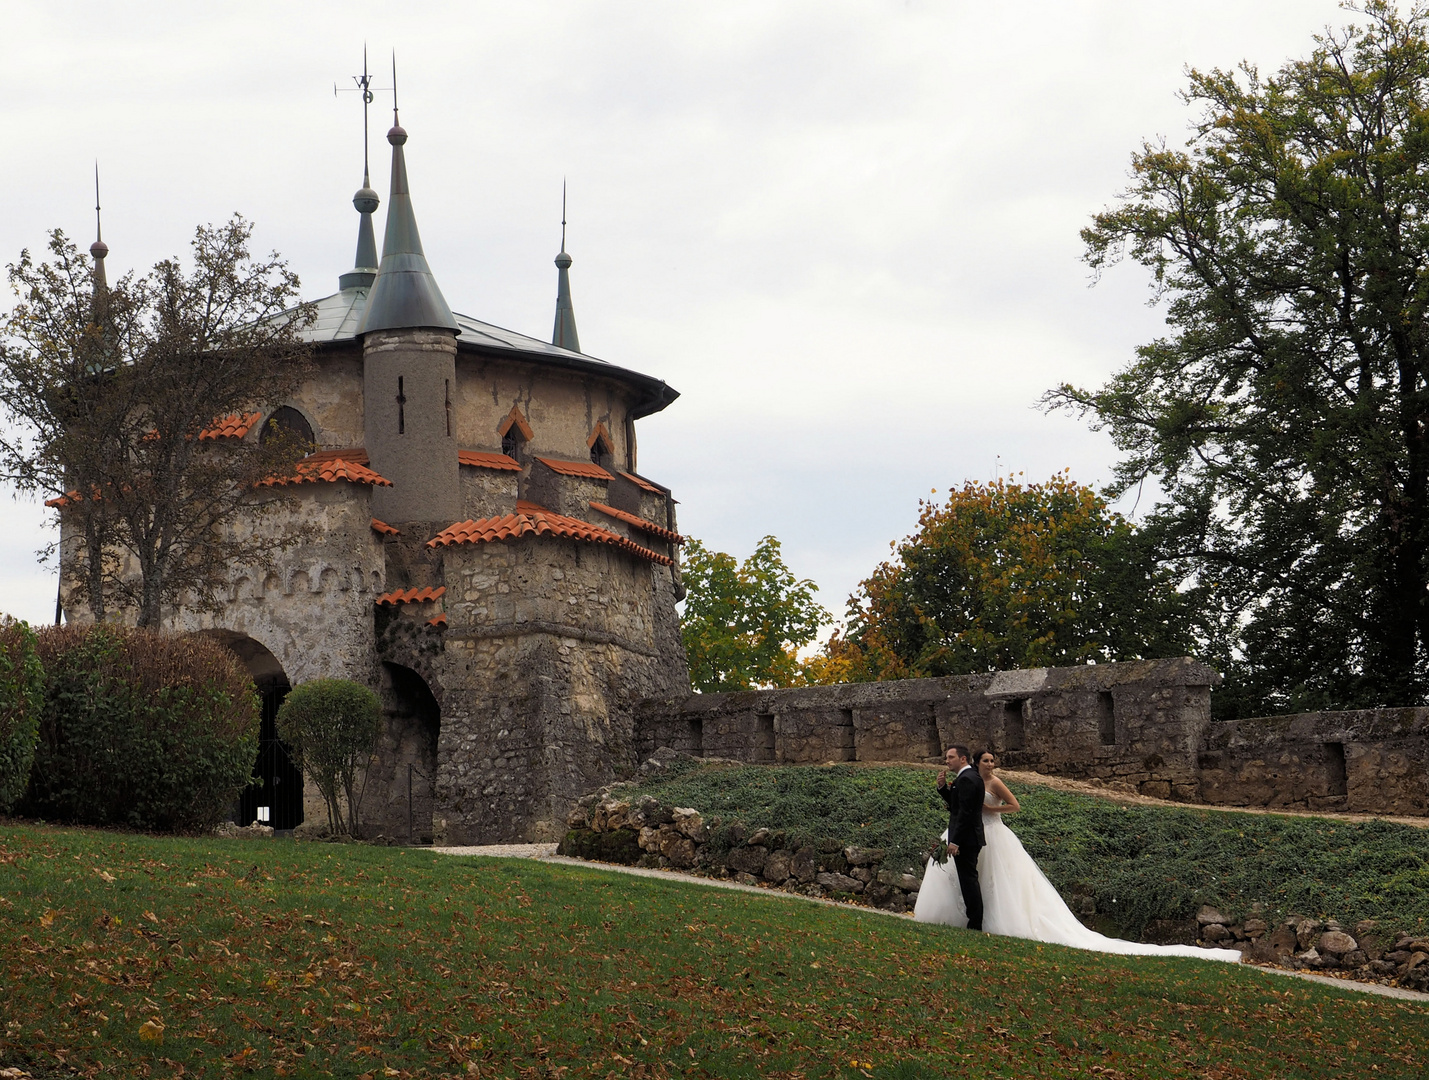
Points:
(1137, 723)
(1373, 761)
(549, 644)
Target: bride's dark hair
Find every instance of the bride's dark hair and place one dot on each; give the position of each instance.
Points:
(977, 758)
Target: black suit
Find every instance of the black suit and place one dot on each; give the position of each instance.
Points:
(964, 799)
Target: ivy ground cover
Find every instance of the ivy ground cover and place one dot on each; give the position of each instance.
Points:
(135, 956)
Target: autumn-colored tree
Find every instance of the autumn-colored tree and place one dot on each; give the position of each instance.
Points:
(1009, 575)
(744, 623)
(1285, 413)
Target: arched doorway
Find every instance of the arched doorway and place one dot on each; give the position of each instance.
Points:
(276, 796)
(398, 797)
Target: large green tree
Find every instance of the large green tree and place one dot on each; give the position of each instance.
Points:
(1010, 575)
(744, 623)
(1285, 414)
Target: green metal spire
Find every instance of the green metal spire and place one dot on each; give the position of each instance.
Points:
(364, 266)
(564, 335)
(99, 249)
(405, 294)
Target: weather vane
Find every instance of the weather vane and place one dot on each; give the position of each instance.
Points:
(368, 91)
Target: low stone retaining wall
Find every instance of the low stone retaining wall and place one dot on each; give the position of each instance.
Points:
(1314, 945)
(649, 833)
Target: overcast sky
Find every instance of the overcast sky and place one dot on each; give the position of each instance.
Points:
(846, 232)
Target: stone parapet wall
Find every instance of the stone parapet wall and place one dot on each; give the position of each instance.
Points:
(1138, 723)
(1373, 761)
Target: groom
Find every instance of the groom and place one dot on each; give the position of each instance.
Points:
(965, 836)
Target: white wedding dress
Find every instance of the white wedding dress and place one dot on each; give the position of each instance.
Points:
(1019, 901)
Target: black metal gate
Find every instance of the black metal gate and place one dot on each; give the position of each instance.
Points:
(279, 800)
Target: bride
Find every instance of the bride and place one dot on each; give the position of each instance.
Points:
(1018, 899)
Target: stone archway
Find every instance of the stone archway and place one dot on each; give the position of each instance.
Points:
(398, 790)
(276, 797)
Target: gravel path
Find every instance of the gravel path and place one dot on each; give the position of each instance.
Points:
(547, 853)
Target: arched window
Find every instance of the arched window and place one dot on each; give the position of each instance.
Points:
(288, 420)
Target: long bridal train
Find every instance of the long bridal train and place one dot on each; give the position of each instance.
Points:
(1019, 901)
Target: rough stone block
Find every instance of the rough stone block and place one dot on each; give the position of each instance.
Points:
(804, 865)
(776, 867)
(747, 860)
(839, 883)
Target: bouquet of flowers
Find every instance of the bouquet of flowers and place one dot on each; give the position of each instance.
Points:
(939, 852)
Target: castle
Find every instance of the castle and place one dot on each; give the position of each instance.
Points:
(490, 558)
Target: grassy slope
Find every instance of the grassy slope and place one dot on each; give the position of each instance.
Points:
(311, 960)
(1140, 863)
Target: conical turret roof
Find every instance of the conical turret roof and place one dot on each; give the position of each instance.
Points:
(405, 294)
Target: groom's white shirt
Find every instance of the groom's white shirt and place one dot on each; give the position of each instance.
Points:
(960, 772)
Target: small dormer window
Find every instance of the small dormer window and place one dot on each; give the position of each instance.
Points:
(515, 434)
(511, 443)
(602, 453)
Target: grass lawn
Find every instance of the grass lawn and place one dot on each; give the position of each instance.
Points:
(275, 958)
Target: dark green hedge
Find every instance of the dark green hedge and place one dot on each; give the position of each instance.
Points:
(21, 693)
(146, 730)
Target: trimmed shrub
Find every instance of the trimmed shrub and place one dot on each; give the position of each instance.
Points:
(330, 726)
(148, 730)
(21, 694)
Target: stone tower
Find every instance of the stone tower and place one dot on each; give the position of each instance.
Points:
(409, 370)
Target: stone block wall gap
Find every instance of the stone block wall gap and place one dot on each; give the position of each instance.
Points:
(1106, 718)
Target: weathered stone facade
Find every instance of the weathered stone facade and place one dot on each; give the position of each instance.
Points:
(1375, 761)
(1138, 723)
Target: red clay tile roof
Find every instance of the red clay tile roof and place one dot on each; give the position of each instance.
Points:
(639, 523)
(68, 497)
(440, 620)
(355, 454)
(588, 469)
(412, 596)
(483, 460)
(327, 471)
(640, 481)
(530, 520)
(384, 529)
(234, 426)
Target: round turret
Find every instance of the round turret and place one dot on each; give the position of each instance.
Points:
(365, 200)
(99, 249)
(397, 135)
(563, 261)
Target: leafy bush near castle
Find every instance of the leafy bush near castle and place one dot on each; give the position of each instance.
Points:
(1138, 863)
(147, 730)
(330, 726)
(21, 692)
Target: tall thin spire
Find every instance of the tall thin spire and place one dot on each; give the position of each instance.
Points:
(405, 293)
(99, 249)
(564, 335)
(364, 265)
